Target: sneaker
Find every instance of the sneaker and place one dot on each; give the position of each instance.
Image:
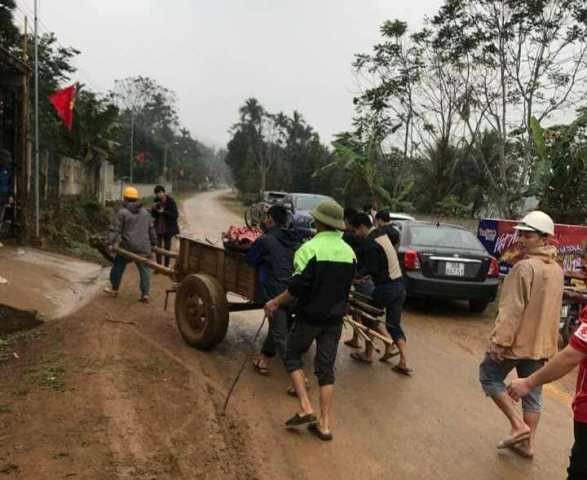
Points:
(111, 292)
(144, 299)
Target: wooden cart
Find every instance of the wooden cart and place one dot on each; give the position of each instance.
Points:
(204, 274)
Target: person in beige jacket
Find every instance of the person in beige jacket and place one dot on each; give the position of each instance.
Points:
(526, 329)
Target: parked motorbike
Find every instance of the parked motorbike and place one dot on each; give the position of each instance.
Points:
(570, 319)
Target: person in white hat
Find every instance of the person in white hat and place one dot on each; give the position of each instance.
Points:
(526, 329)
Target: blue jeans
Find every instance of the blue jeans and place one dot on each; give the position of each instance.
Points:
(118, 268)
(493, 373)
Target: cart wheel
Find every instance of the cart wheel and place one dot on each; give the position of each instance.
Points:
(201, 311)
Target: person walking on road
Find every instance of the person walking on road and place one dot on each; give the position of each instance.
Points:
(132, 230)
(272, 255)
(323, 272)
(526, 329)
(563, 363)
(378, 259)
(165, 213)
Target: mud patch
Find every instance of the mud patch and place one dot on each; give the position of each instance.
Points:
(14, 320)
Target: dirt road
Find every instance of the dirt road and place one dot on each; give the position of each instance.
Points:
(113, 392)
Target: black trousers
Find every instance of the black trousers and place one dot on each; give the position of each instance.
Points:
(578, 467)
(276, 340)
(164, 241)
(300, 340)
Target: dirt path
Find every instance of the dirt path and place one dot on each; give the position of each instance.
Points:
(112, 392)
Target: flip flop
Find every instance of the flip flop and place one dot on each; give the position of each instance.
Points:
(298, 420)
(314, 430)
(510, 442)
(518, 451)
(403, 371)
(388, 356)
(260, 369)
(359, 358)
(351, 344)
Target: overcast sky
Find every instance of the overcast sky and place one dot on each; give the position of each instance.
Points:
(290, 54)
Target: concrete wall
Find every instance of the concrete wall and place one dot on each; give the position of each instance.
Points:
(73, 177)
(76, 178)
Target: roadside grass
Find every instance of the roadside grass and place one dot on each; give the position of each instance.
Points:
(7, 342)
(230, 201)
(49, 377)
(154, 367)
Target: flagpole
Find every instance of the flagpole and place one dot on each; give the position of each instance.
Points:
(37, 203)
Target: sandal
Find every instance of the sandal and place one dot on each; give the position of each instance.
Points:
(388, 356)
(298, 420)
(261, 369)
(407, 372)
(314, 430)
(520, 452)
(511, 441)
(360, 358)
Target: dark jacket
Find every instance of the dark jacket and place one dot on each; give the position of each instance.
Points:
(324, 270)
(133, 229)
(272, 255)
(169, 216)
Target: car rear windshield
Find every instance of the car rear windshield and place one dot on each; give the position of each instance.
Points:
(444, 237)
(309, 202)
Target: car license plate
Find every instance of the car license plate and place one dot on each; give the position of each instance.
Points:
(454, 269)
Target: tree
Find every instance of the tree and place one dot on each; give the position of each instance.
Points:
(360, 160)
(148, 120)
(8, 31)
(389, 104)
(561, 184)
(527, 58)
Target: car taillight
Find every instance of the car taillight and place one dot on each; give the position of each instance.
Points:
(412, 260)
(493, 268)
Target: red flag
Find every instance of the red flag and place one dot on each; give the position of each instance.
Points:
(63, 101)
(141, 159)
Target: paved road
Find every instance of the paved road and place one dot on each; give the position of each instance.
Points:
(436, 425)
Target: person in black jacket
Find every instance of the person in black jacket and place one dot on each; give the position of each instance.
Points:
(379, 260)
(165, 213)
(272, 255)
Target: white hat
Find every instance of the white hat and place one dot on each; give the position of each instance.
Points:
(537, 221)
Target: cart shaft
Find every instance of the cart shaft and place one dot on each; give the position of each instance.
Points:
(170, 272)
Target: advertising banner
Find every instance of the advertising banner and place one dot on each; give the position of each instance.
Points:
(501, 240)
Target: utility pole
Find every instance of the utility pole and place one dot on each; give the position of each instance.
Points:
(132, 142)
(165, 163)
(23, 185)
(37, 203)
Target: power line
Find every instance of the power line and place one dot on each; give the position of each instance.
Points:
(26, 13)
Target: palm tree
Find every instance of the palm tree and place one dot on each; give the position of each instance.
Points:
(360, 161)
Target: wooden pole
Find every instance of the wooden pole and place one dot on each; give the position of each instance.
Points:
(166, 253)
(170, 272)
(368, 331)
